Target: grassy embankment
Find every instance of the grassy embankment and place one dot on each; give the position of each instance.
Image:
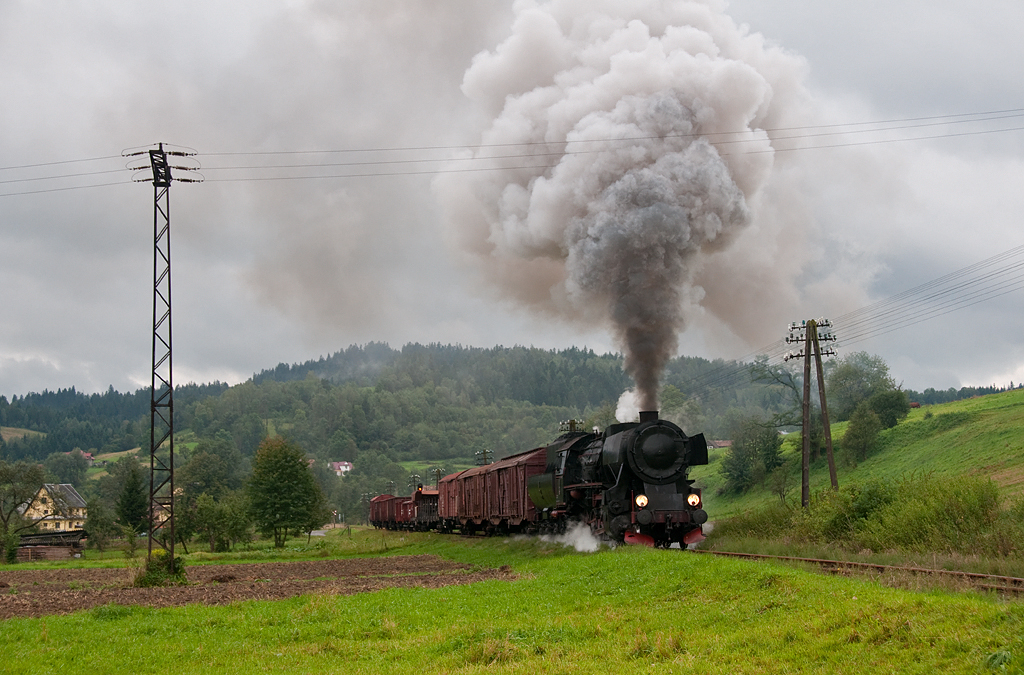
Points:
(617, 611)
(944, 488)
(981, 436)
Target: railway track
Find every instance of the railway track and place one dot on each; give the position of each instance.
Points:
(991, 582)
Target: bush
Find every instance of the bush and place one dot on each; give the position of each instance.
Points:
(754, 454)
(936, 514)
(1006, 537)
(917, 514)
(838, 517)
(161, 569)
(830, 518)
(861, 433)
(770, 521)
(891, 406)
(10, 543)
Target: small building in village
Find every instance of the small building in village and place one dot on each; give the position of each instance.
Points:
(340, 468)
(57, 507)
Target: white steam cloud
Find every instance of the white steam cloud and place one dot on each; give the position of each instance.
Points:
(643, 132)
(578, 536)
(628, 408)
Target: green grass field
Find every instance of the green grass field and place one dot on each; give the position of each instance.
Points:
(626, 610)
(980, 436)
(424, 468)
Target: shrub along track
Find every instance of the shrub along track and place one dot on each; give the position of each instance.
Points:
(35, 593)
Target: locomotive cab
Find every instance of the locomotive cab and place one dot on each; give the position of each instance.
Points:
(559, 491)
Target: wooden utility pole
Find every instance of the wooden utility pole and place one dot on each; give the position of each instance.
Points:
(812, 339)
(805, 480)
(824, 411)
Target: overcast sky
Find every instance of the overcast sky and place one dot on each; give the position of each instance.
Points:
(285, 270)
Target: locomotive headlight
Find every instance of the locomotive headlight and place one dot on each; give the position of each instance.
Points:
(693, 499)
(641, 500)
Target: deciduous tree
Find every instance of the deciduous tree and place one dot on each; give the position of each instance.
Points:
(19, 483)
(67, 467)
(891, 406)
(754, 454)
(853, 379)
(205, 473)
(100, 526)
(861, 433)
(282, 492)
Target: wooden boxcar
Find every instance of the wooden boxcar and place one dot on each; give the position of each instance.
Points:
(380, 511)
(403, 513)
(472, 504)
(505, 483)
(448, 501)
(425, 508)
(491, 497)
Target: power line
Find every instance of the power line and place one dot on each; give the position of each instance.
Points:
(376, 174)
(606, 142)
(68, 175)
(718, 138)
(449, 170)
(65, 189)
(58, 162)
(563, 153)
(985, 280)
(957, 117)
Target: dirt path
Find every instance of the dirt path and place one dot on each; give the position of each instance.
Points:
(34, 593)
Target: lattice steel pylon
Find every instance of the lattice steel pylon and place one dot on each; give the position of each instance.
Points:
(161, 411)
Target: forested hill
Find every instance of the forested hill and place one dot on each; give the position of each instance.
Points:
(433, 399)
(571, 377)
(379, 395)
(110, 421)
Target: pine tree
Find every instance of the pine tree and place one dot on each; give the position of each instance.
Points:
(133, 501)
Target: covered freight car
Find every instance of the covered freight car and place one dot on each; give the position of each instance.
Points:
(418, 512)
(424, 508)
(493, 497)
(382, 510)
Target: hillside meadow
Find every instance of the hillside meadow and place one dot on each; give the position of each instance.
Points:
(981, 436)
(625, 610)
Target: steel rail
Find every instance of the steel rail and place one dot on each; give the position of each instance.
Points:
(1001, 583)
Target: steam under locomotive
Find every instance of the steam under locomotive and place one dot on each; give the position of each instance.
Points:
(629, 483)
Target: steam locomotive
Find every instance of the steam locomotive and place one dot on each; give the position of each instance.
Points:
(628, 484)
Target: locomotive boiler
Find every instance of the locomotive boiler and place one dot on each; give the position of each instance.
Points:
(629, 483)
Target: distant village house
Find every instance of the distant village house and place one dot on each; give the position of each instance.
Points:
(340, 468)
(57, 507)
(87, 455)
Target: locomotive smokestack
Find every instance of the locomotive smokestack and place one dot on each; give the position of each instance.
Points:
(648, 416)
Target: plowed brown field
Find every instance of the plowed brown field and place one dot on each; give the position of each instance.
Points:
(34, 593)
